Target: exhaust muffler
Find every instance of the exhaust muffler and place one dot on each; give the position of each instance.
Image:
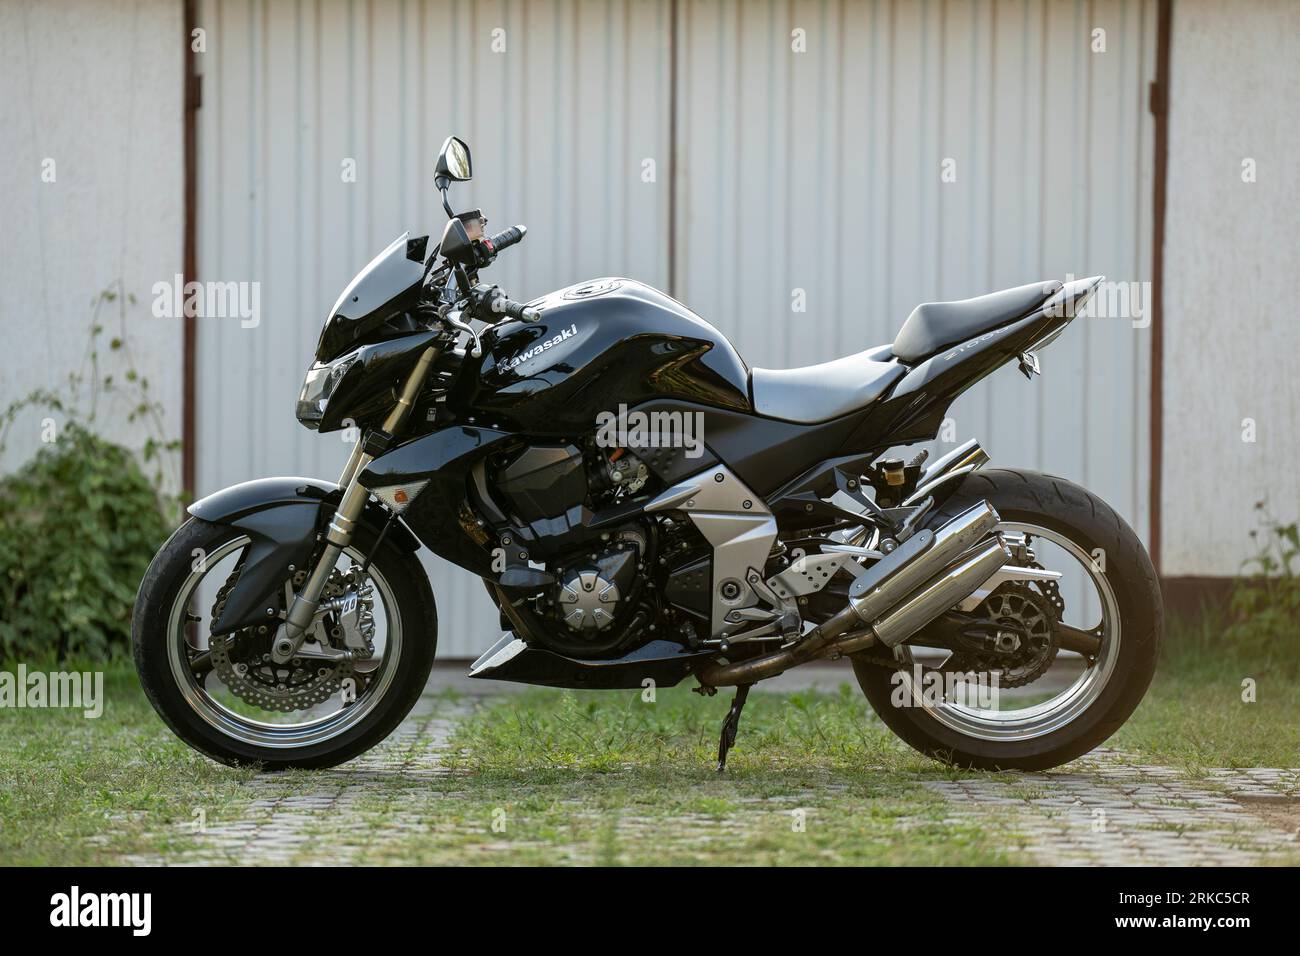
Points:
(951, 586)
(917, 560)
(899, 595)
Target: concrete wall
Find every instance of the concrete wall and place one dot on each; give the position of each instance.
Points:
(1232, 258)
(94, 86)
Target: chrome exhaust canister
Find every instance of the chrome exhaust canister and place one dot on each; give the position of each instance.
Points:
(943, 592)
(917, 561)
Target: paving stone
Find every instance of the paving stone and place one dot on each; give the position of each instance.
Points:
(328, 824)
(1106, 809)
(1128, 814)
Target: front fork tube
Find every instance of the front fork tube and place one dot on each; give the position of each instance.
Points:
(302, 612)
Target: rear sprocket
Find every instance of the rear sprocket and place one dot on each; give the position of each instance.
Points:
(1025, 643)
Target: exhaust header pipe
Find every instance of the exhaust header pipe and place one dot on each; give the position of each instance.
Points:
(899, 595)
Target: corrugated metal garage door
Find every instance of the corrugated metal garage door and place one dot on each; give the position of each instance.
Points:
(816, 171)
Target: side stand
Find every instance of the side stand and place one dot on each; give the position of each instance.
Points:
(731, 724)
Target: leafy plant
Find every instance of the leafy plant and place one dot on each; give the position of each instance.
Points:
(80, 521)
(79, 525)
(1265, 601)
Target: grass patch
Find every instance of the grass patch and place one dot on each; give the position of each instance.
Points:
(604, 777)
(1194, 715)
(550, 777)
(88, 792)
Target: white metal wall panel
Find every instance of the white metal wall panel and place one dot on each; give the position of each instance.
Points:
(558, 125)
(112, 212)
(1232, 248)
(820, 171)
(817, 171)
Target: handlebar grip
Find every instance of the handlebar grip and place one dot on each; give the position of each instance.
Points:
(507, 237)
(516, 310)
(490, 304)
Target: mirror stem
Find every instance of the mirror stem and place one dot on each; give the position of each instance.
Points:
(445, 204)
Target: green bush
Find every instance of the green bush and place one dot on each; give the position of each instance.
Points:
(1265, 604)
(79, 524)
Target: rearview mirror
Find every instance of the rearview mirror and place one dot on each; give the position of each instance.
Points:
(453, 161)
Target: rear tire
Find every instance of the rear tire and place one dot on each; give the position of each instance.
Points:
(150, 632)
(1067, 509)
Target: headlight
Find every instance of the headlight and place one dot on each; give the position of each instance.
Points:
(319, 385)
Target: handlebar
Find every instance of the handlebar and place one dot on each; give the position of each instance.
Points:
(493, 299)
(516, 310)
(490, 301)
(486, 303)
(506, 238)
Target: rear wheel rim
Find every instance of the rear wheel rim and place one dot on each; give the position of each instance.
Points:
(1046, 717)
(258, 733)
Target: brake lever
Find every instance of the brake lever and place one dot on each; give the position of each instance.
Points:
(456, 323)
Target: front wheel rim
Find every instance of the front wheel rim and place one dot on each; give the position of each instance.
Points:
(277, 736)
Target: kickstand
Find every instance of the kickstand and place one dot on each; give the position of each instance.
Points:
(731, 725)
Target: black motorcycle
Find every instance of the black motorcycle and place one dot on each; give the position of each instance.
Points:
(643, 507)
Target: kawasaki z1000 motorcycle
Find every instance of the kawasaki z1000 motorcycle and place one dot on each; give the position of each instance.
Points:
(645, 507)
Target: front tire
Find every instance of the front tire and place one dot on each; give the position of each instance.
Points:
(182, 705)
(1065, 509)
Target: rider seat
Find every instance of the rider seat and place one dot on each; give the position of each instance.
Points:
(934, 326)
(818, 393)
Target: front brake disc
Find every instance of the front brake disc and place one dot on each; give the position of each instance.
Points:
(240, 661)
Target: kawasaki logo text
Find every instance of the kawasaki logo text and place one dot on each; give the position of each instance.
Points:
(540, 347)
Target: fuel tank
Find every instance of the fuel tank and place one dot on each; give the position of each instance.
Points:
(599, 345)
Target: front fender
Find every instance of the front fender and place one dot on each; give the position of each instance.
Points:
(283, 518)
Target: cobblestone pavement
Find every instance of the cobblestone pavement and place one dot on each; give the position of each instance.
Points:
(1109, 810)
(1106, 809)
(285, 823)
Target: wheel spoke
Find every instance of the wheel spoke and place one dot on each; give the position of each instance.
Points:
(1082, 642)
(201, 663)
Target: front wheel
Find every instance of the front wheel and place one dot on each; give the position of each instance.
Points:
(226, 697)
(1038, 705)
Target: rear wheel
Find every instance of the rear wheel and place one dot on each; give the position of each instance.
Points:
(225, 695)
(1044, 704)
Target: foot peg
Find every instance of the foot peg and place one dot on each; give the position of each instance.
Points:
(730, 725)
